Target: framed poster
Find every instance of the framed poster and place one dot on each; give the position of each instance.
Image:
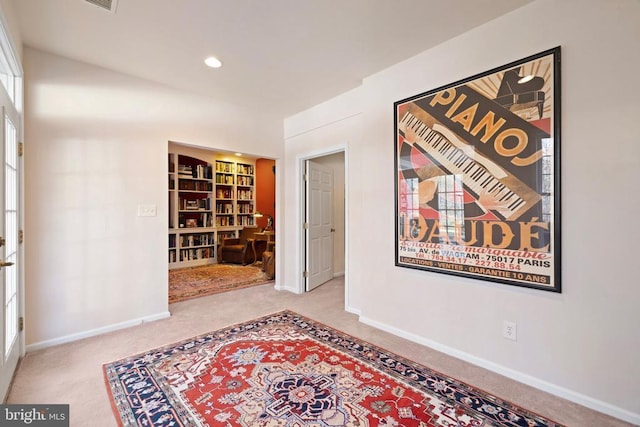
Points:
(478, 176)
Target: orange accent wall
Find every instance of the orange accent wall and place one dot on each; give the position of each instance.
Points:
(265, 191)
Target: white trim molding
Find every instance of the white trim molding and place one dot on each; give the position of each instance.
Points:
(97, 331)
(556, 390)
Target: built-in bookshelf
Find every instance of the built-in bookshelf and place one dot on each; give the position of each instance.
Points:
(245, 176)
(225, 194)
(210, 198)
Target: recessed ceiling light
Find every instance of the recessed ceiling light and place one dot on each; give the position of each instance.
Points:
(239, 154)
(213, 62)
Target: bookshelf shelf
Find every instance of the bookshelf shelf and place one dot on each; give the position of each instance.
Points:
(210, 198)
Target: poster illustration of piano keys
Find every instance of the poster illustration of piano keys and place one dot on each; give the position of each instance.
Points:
(478, 176)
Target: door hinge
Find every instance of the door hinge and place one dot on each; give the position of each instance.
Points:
(20, 149)
(304, 176)
(20, 236)
(305, 274)
(306, 225)
(20, 324)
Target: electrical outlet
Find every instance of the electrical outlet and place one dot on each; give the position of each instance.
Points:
(147, 210)
(510, 330)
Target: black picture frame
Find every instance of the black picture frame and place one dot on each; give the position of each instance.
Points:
(477, 176)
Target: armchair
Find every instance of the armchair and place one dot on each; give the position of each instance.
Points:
(243, 250)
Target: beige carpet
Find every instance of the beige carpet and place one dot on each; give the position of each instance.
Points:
(193, 282)
(72, 373)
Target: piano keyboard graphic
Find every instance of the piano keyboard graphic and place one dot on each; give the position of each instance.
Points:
(476, 178)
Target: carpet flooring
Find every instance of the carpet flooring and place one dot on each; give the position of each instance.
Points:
(285, 369)
(194, 282)
(72, 373)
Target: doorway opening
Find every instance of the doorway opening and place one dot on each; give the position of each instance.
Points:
(221, 218)
(323, 201)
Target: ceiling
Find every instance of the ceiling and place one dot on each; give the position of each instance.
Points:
(280, 56)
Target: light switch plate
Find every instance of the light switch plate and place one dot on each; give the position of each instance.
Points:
(147, 210)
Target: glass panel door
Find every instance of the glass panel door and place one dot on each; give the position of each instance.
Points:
(11, 283)
(11, 234)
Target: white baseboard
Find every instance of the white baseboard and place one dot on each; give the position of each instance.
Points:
(338, 274)
(356, 311)
(279, 286)
(98, 331)
(589, 402)
(288, 289)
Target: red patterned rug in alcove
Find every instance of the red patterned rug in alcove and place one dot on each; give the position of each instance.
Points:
(193, 282)
(289, 371)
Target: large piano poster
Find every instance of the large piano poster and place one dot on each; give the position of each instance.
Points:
(478, 176)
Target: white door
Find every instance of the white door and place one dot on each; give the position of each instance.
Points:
(9, 260)
(319, 220)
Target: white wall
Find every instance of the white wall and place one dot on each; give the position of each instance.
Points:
(95, 148)
(309, 136)
(583, 344)
(11, 24)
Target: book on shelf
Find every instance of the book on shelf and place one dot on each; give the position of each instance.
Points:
(245, 194)
(197, 172)
(194, 254)
(245, 181)
(246, 220)
(245, 208)
(185, 170)
(195, 185)
(224, 221)
(192, 205)
(202, 172)
(195, 204)
(245, 169)
(225, 167)
(205, 219)
(223, 193)
(224, 179)
(224, 208)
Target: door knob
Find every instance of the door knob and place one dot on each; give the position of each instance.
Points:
(5, 264)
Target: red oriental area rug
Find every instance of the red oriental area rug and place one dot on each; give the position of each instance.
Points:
(286, 370)
(193, 282)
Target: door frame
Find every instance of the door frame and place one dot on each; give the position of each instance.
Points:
(300, 216)
(8, 50)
